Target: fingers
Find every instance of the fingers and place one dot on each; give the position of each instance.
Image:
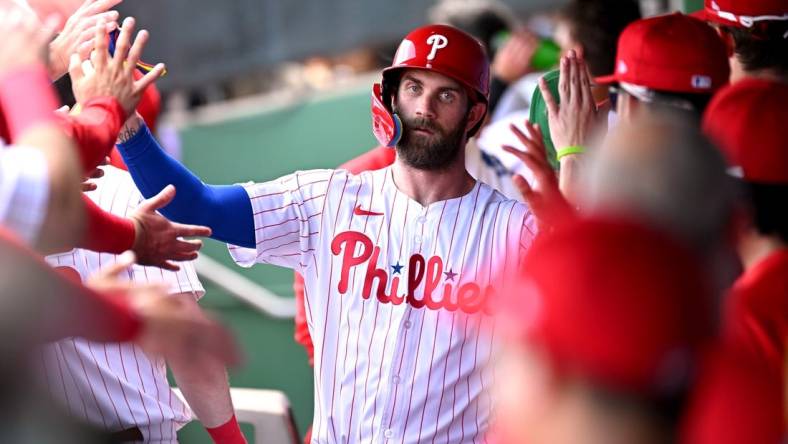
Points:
(135, 53)
(123, 43)
(184, 230)
(575, 94)
(96, 173)
(84, 49)
(563, 79)
(549, 100)
(530, 144)
(149, 78)
(524, 188)
(75, 69)
(97, 7)
(121, 265)
(50, 27)
(99, 55)
(88, 186)
(164, 197)
(541, 170)
(170, 266)
(585, 84)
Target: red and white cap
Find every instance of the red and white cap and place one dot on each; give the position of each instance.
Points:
(615, 303)
(747, 121)
(438, 48)
(673, 53)
(743, 13)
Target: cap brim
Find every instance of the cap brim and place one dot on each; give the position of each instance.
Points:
(606, 80)
(700, 15)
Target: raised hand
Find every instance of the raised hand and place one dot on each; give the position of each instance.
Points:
(157, 241)
(78, 33)
(113, 75)
(572, 122)
(25, 38)
(513, 60)
(544, 198)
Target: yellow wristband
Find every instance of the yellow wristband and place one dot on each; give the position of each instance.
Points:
(576, 149)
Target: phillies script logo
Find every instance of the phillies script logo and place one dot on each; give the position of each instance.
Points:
(439, 289)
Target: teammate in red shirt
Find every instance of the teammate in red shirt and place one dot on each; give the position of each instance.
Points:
(747, 120)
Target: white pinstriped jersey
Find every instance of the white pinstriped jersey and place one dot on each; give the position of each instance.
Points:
(115, 386)
(396, 299)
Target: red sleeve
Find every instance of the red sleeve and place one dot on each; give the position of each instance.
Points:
(27, 99)
(106, 232)
(63, 306)
(116, 160)
(374, 159)
(301, 328)
(94, 129)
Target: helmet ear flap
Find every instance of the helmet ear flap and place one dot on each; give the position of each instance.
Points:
(386, 125)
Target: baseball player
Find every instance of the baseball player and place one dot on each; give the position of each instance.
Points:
(755, 31)
(401, 264)
(117, 386)
(746, 120)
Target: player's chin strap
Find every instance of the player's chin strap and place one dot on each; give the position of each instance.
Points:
(386, 126)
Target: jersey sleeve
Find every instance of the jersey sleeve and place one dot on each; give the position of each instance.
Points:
(24, 191)
(287, 219)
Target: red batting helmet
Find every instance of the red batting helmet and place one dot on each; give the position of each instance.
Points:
(438, 48)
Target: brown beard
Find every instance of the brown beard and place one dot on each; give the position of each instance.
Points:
(432, 153)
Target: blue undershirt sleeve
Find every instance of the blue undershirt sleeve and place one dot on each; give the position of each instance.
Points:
(226, 209)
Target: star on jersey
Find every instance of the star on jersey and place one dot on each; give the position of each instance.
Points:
(396, 269)
(450, 275)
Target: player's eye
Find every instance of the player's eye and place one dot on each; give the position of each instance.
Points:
(447, 96)
(413, 88)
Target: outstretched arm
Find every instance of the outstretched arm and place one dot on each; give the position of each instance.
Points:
(225, 209)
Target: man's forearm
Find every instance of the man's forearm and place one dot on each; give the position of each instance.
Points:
(204, 386)
(195, 202)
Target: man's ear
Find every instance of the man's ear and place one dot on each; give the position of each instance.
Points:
(475, 115)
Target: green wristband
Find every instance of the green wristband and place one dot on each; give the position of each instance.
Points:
(576, 149)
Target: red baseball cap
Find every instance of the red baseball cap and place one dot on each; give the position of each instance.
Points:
(742, 13)
(615, 302)
(747, 121)
(736, 400)
(673, 53)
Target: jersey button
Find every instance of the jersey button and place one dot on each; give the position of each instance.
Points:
(421, 219)
(417, 239)
(395, 380)
(407, 324)
(388, 433)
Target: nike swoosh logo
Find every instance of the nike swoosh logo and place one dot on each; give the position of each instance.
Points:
(359, 212)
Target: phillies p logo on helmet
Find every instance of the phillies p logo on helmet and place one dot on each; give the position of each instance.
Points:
(438, 42)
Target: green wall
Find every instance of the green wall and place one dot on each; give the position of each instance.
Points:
(318, 133)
